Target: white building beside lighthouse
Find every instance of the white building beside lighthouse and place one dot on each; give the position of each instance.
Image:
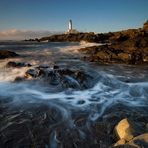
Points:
(70, 29)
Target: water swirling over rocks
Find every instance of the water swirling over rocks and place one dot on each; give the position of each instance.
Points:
(57, 100)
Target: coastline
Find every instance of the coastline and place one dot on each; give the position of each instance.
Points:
(50, 97)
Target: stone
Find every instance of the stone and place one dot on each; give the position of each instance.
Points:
(56, 67)
(140, 141)
(18, 79)
(7, 54)
(53, 77)
(70, 82)
(31, 73)
(124, 130)
(17, 64)
(120, 142)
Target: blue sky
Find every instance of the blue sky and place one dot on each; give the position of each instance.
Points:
(87, 15)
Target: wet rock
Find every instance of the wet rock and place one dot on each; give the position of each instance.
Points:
(140, 141)
(79, 122)
(7, 54)
(62, 78)
(124, 130)
(31, 73)
(65, 72)
(43, 66)
(80, 102)
(56, 67)
(17, 64)
(120, 142)
(53, 78)
(19, 79)
(101, 132)
(45, 72)
(69, 82)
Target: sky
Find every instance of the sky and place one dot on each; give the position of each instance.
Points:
(36, 18)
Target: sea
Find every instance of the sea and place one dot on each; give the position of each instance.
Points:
(114, 84)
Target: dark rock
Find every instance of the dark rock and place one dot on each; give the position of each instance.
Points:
(140, 141)
(65, 72)
(43, 66)
(31, 73)
(17, 64)
(80, 102)
(56, 67)
(69, 82)
(54, 78)
(7, 54)
(19, 79)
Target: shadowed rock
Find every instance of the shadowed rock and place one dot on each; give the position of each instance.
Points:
(17, 64)
(7, 54)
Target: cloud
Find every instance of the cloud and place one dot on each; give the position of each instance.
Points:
(14, 34)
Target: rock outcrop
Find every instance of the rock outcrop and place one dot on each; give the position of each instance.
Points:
(56, 76)
(129, 134)
(130, 46)
(127, 46)
(7, 54)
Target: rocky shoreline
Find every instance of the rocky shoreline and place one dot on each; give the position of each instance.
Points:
(128, 46)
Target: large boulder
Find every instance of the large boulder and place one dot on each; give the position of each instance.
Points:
(124, 130)
(7, 54)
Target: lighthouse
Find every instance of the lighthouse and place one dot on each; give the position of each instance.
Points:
(70, 28)
(70, 25)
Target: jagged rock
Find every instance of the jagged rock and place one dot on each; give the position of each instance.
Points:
(54, 78)
(140, 141)
(17, 64)
(69, 82)
(31, 73)
(65, 78)
(7, 54)
(124, 130)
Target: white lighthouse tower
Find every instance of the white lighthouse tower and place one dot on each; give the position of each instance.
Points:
(70, 28)
(70, 25)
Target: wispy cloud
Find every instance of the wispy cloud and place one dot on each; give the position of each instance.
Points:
(15, 34)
